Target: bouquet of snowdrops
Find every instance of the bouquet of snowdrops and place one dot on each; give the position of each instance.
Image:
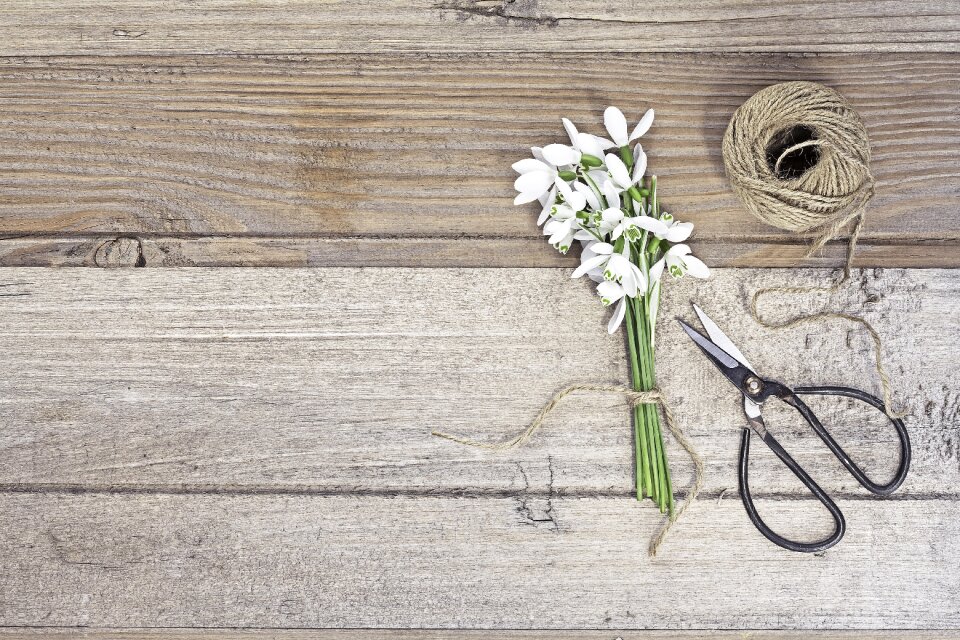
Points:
(608, 203)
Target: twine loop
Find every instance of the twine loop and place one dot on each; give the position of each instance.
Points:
(654, 396)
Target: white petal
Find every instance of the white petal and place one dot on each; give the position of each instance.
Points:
(612, 215)
(657, 270)
(537, 153)
(560, 154)
(588, 264)
(643, 126)
(600, 177)
(564, 212)
(639, 167)
(571, 130)
(617, 318)
(588, 193)
(653, 305)
(641, 279)
(526, 196)
(575, 200)
(637, 150)
(601, 248)
(583, 235)
(678, 250)
(606, 144)
(549, 198)
(630, 284)
(530, 164)
(563, 186)
(548, 204)
(589, 144)
(535, 182)
(611, 194)
(618, 171)
(610, 290)
(650, 224)
(561, 231)
(616, 125)
(696, 268)
(588, 250)
(679, 231)
(563, 244)
(551, 227)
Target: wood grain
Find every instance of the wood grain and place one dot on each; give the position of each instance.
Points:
(309, 159)
(329, 381)
(507, 562)
(462, 634)
(70, 27)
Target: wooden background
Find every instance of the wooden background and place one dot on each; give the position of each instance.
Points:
(206, 452)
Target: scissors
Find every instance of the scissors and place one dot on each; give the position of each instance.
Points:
(756, 390)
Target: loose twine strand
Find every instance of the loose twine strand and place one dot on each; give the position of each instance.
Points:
(826, 198)
(655, 396)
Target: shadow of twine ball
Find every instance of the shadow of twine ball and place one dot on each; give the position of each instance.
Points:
(798, 157)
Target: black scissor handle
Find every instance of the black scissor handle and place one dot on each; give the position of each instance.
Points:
(855, 471)
(840, 524)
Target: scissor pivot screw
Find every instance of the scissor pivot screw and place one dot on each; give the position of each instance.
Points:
(754, 386)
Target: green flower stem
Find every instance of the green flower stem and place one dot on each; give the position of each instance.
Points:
(641, 449)
(646, 381)
(653, 471)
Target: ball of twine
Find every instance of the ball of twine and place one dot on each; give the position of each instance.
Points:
(798, 157)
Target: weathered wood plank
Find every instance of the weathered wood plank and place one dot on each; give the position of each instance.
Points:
(225, 251)
(346, 146)
(463, 634)
(510, 562)
(44, 27)
(329, 380)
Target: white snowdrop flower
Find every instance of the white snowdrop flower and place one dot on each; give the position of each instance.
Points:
(615, 267)
(564, 228)
(666, 228)
(678, 261)
(536, 179)
(593, 259)
(616, 124)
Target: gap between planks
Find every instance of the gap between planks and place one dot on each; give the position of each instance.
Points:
(145, 250)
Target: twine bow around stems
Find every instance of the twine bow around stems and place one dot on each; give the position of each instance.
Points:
(636, 398)
(825, 194)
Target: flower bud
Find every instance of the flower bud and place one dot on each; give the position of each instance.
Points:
(635, 193)
(588, 160)
(627, 156)
(567, 175)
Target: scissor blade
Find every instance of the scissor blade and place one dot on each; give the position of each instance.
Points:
(728, 365)
(751, 408)
(720, 339)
